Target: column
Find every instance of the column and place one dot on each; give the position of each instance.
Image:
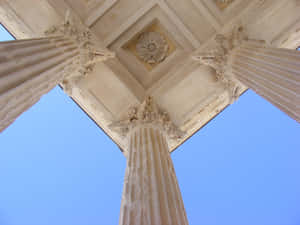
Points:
(30, 68)
(151, 193)
(271, 72)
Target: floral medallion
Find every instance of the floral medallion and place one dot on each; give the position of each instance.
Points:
(152, 47)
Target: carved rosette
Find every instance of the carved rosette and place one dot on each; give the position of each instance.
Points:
(220, 59)
(152, 47)
(89, 50)
(147, 113)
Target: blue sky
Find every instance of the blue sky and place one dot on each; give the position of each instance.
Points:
(58, 168)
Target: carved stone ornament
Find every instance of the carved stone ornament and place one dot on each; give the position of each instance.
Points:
(147, 113)
(152, 47)
(220, 59)
(89, 50)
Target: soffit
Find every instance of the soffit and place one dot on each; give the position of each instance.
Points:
(187, 91)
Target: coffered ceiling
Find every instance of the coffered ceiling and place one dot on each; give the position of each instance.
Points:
(153, 41)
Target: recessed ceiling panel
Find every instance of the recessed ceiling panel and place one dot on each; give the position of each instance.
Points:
(153, 30)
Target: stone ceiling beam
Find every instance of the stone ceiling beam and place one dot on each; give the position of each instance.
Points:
(208, 15)
(98, 12)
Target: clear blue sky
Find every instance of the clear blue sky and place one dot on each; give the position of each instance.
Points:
(58, 168)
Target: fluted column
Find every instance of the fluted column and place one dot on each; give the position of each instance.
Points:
(151, 193)
(30, 68)
(273, 73)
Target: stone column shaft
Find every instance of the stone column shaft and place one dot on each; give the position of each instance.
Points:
(151, 193)
(29, 69)
(32, 67)
(272, 73)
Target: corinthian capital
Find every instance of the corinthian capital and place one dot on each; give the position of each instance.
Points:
(90, 50)
(147, 113)
(220, 58)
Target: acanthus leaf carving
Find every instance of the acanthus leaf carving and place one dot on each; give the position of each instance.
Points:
(220, 59)
(88, 46)
(147, 113)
